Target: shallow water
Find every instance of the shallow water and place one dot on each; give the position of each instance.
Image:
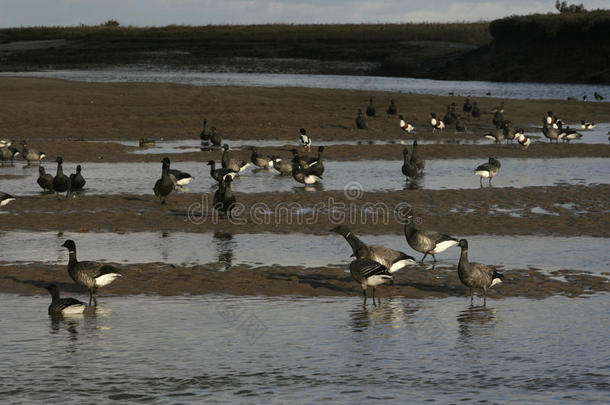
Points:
(547, 253)
(365, 175)
(598, 135)
(374, 83)
(225, 349)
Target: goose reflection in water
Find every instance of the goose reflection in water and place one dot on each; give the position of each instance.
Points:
(224, 245)
(391, 313)
(413, 184)
(476, 321)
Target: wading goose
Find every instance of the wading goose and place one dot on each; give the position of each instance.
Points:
(524, 141)
(5, 199)
(64, 306)
(436, 123)
(304, 175)
(284, 166)
(180, 178)
(215, 137)
(449, 117)
(426, 242)
(90, 275)
(496, 135)
(361, 121)
(204, 135)
(61, 182)
(467, 107)
(404, 125)
(317, 166)
(303, 160)
(488, 170)
(77, 181)
(232, 164)
(220, 174)
(304, 139)
(370, 110)
(8, 153)
(391, 110)
(31, 154)
(415, 158)
(45, 180)
(550, 132)
(164, 185)
(587, 125)
(476, 275)
(409, 169)
(392, 260)
(224, 199)
(476, 113)
(370, 273)
(261, 161)
(146, 143)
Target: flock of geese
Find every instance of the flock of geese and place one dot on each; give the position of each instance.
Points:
(373, 266)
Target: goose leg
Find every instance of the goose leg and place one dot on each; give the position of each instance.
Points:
(484, 296)
(471, 296)
(374, 296)
(490, 182)
(481, 181)
(423, 258)
(364, 293)
(90, 297)
(434, 257)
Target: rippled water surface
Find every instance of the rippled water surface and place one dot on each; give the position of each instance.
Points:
(376, 83)
(223, 349)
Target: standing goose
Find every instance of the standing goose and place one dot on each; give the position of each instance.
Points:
(392, 260)
(449, 117)
(404, 125)
(90, 275)
(261, 161)
(224, 199)
(61, 182)
(409, 169)
(303, 160)
(476, 275)
(164, 185)
(45, 180)
(220, 173)
(317, 166)
(361, 121)
(304, 139)
(370, 110)
(436, 123)
(204, 135)
(488, 170)
(31, 154)
(215, 137)
(415, 159)
(77, 181)
(304, 175)
(476, 113)
(232, 164)
(467, 107)
(370, 273)
(391, 110)
(284, 166)
(5, 199)
(498, 119)
(459, 125)
(550, 132)
(64, 306)
(567, 134)
(426, 242)
(8, 152)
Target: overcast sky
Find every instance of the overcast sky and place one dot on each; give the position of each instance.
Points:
(15, 13)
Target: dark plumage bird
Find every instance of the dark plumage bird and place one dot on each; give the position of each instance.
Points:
(361, 121)
(488, 170)
(204, 135)
(179, 178)
(550, 132)
(224, 199)
(476, 275)
(304, 175)
(370, 273)
(449, 117)
(587, 125)
(284, 166)
(467, 107)
(146, 143)
(392, 260)
(459, 125)
(164, 186)
(8, 153)
(409, 169)
(370, 109)
(215, 137)
(5, 199)
(61, 182)
(77, 181)
(45, 180)
(220, 173)
(304, 139)
(31, 154)
(498, 120)
(391, 110)
(426, 242)
(497, 134)
(64, 306)
(232, 164)
(317, 166)
(598, 96)
(476, 113)
(261, 161)
(90, 275)
(415, 158)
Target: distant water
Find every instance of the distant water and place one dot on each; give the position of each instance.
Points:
(256, 350)
(507, 90)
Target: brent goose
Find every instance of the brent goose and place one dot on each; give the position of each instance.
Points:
(304, 139)
(370, 110)
(459, 125)
(587, 125)
(449, 117)
(303, 160)
(204, 135)
(90, 275)
(436, 123)
(598, 96)
(8, 152)
(476, 113)
(418, 161)
(220, 173)
(409, 169)
(370, 273)
(550, 132)
(77, 181)
(361, 121)
(498, 120)
(317, 166)
(392, 260)
(284, 166)
(523, 140)
(232, 164)
(164, 185)
(215, 137)
(569, 134)
(496, 135)
(476, 275)
(64, 306)
(426, 242)
(5, 199)
(261, 161)
(391, 110)
(404, 125)
(224, 199)
(304, 175)
(31, 154)
(45, 180)
(487, 170)
(146, 143)
(180, 178)
(61, 182)
(467, 107)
